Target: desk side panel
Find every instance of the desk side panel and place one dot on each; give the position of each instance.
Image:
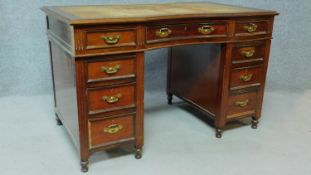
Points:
(194, 74)
(65, 90)
(61, 33)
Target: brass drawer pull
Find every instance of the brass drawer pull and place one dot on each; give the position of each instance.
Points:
(111, 69)
(163, 32)
(206, 29)
(112, 99)
(112, 129)
(248, 53)
(251, 27)
(111, 39)
(246, 78)
(242, 104)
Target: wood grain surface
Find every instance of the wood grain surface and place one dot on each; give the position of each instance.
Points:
(145, 12)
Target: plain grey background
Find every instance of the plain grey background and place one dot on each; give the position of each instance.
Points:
(25, 66)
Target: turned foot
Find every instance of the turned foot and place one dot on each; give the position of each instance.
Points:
(138, 153)
(254, 123)
(84, 166)
(58, 121)
(169, 98)
(218, 133)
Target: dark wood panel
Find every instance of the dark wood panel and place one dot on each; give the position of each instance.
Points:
(65, 90)
(194, 74)
(61, 32)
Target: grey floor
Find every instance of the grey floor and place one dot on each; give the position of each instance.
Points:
(176, 142)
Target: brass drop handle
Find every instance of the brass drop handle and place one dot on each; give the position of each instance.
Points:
(111, 69)
(112, 129)
(163, 32)
(112, 99)
(242, 104)
(246, 77)
(248, 53)
(111, 39)
(206, 29)
(251, 27)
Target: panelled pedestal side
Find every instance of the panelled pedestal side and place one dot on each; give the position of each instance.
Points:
(229, 84)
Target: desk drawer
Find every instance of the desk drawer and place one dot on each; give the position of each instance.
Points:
(248, 52)
(105, 131)
(242, 105)
(110, 38)
(251, 28)
(171, 32)
(110, 70)
(245, 77)
(102, 100)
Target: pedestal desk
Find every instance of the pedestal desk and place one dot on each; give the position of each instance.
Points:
(97, 58)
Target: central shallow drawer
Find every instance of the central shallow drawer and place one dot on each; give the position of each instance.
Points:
(105, 131)
(172, 32)
(107, 99)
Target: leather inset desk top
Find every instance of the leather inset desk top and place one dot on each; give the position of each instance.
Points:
(147, 12)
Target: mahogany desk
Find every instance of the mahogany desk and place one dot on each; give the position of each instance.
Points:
(97, 58)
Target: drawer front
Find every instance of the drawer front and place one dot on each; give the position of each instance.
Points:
(208, 30)
(248, 52)
(110, 39)
(104, 131)
(109, 99)
(171, 32)
(251, 28)
(110, 70)
(242, 105)
(245, 77)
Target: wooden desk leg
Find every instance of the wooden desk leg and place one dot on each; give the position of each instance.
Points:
(223, 90)
(168, 84)
(254, 122)
(139, 142)
(84, 166)
(256, 117)
(83, 123)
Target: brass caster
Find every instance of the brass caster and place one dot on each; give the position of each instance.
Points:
(218, 133)
(138, 153)
(169, 98)
(254, 123)
(84, 166)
